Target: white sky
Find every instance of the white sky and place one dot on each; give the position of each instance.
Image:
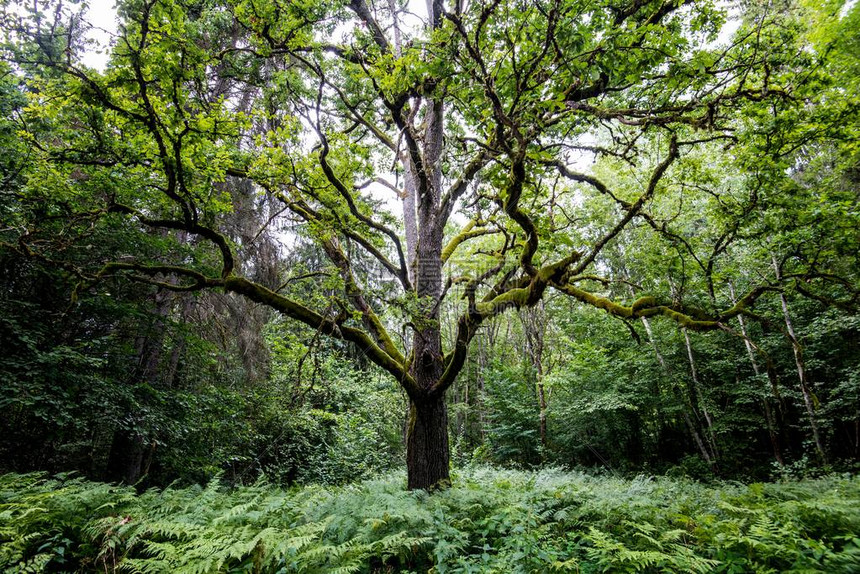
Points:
(102, 17)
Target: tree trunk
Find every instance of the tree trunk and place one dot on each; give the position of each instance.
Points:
(126, 459)
(772, 431)
(801, 370)
(542, 413)
(534, 322)
(427, 451)
(697, 390)
(804, 383)
(125, 462)
(682, 404)
(857, 434)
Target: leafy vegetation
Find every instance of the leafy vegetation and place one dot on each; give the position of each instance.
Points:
(490, 521)
(587, 269)
(395, 186)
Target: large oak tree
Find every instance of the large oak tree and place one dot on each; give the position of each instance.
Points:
(471, 116)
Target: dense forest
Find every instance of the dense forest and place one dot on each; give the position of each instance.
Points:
(470, 286)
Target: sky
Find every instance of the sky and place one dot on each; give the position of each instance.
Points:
(102, 16)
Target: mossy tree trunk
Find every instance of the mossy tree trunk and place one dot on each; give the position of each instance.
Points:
(427, 452)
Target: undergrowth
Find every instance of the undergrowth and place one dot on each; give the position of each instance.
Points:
(490, 521)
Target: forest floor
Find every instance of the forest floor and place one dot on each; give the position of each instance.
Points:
(490, 520)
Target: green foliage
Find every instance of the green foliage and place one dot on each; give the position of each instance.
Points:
(512, 425)
(216, 126)
(490, 521)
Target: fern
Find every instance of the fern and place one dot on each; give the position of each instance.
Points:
(490, 521)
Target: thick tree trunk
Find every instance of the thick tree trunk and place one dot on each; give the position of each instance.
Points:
(427, 453)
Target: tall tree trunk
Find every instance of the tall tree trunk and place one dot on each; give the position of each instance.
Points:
(697, 391)
(801, 370)
(772, 431)
(409, 217)
(685, 411)
(427, 452)
(534, 322)
(542, 413)
(126, 459)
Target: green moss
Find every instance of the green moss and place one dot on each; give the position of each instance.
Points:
(642, 303)
(514, 297)
(642, 307)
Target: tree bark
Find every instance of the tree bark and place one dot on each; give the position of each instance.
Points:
(697, 391)
(427, 452)
(684, 405)
(801, 370)
(768, 412)
(542, 412)
(126, 459)
(534, 322)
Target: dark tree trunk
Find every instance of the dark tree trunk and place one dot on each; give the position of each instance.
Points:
(427, 454)
(427, 451)
(126, 460)
(125, 463)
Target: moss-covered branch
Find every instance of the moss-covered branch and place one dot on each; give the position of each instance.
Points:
(356, 297)
(468, 232)
(147, 272)
(326, 326)
(642, 307)
(459, 187)
(512, 208)
(633, 208)
(220, 241)
(353, 207)
(524, 293)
